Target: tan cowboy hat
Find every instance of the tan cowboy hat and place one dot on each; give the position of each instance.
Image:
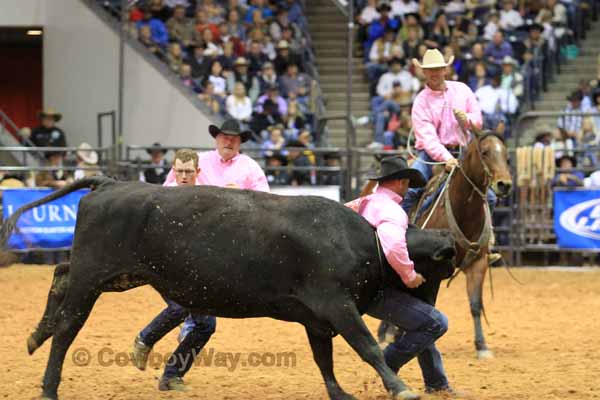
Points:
(87, 155)
(433, 59)
(283, 44)
(52, 113)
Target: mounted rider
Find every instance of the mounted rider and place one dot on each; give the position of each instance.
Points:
(436, 113)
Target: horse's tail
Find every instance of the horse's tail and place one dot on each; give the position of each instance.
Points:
(86, 183)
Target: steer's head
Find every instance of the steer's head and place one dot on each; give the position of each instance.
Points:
(433, 252)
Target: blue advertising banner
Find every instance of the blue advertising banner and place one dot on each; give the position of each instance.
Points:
(577, 218)
(50, 226)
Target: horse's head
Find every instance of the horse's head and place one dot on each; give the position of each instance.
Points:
(486, 161)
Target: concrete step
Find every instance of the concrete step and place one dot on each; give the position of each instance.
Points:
(337, 61)
(334, 87)
(318, 36)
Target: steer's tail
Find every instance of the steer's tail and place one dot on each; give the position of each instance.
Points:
(8, 226)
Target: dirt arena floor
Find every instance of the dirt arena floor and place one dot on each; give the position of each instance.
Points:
(545, 336)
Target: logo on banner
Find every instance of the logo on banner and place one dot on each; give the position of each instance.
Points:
(583, 219)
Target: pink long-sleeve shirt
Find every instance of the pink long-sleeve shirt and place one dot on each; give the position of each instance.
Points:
(433, 119)
(382, 210)
(241, 170)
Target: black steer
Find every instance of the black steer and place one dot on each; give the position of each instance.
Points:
(229, 253)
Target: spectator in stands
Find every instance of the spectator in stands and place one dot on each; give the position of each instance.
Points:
(410, 46)
(272, 94)
(381, 53)
(87, 162)
(294, 83)
(215, 12)
(586, 91)
(480, 78)
(589, 140)
(145, 38)
(278, 24)
(181, 28)
(398, 130)
(185, 74)
(408, 84)
(479, 8)
(241, 74)
(202, 24)
(275, 142)
(333, 178)
(454, 8)
(567, 176)
(261, 6)
(276, 176)
(294, 39)
(284, 57)
(531, 44)
(402, 7)
(175, 57)
(158, 30)
(238, 105)
(464, 33)
(454, 70)
(365, 18)
(498, 48)
(476, 56)
(210, 43)
(297, 158)
(386, 109)
(159, 165)
(563, 143)
(208, 97)
(234, 25)
(48, 134)
(159, 10)
(596, 109)
(572, 123)
(268, 116)
(559, 17)
(256, 57)
(496, 103)
(411, 21)
(428, 10)
(439, 35)
(293, 121)
(228, 58)
(492, 26)
(512, 79)
(379, 26)
(56, 178)
(268, 77)
(199, 63)
(510, 19)
(217, 79)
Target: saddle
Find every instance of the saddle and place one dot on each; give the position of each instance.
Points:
(429, 195)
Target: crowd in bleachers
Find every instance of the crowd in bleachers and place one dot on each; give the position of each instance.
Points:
(505, 51)
(245, 59)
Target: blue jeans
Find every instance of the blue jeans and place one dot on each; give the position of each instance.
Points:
(163, 323)
(185, 354)
(422, 325)
(413, 195)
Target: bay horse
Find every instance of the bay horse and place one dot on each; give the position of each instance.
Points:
(465, 212)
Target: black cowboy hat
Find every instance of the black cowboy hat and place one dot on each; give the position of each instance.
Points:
(566, 157)
(156, 147)
(230, 127)
(535, 26)
(50, 112)
(383, 7)
(396, 167)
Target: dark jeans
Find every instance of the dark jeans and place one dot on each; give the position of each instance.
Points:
(422, 325)
(163, 323)
(184, 356)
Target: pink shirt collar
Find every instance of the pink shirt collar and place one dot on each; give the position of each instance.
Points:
(395, 197)
(430, 91)
(218, 156)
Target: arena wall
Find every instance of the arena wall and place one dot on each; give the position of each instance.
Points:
(81, 78)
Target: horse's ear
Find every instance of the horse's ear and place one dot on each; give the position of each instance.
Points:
(500, 128)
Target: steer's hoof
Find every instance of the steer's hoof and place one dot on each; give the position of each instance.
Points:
(407, 395)
(32, 345)
(175, 384)
(484, 354)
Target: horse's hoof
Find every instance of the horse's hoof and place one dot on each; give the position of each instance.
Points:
(32, 345)
(407, 395)
(484, 354)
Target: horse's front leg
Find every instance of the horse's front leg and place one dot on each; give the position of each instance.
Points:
(475, 278)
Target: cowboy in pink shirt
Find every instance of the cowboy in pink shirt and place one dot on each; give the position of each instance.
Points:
(422, 323)
(436, 129)
(225, 166)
